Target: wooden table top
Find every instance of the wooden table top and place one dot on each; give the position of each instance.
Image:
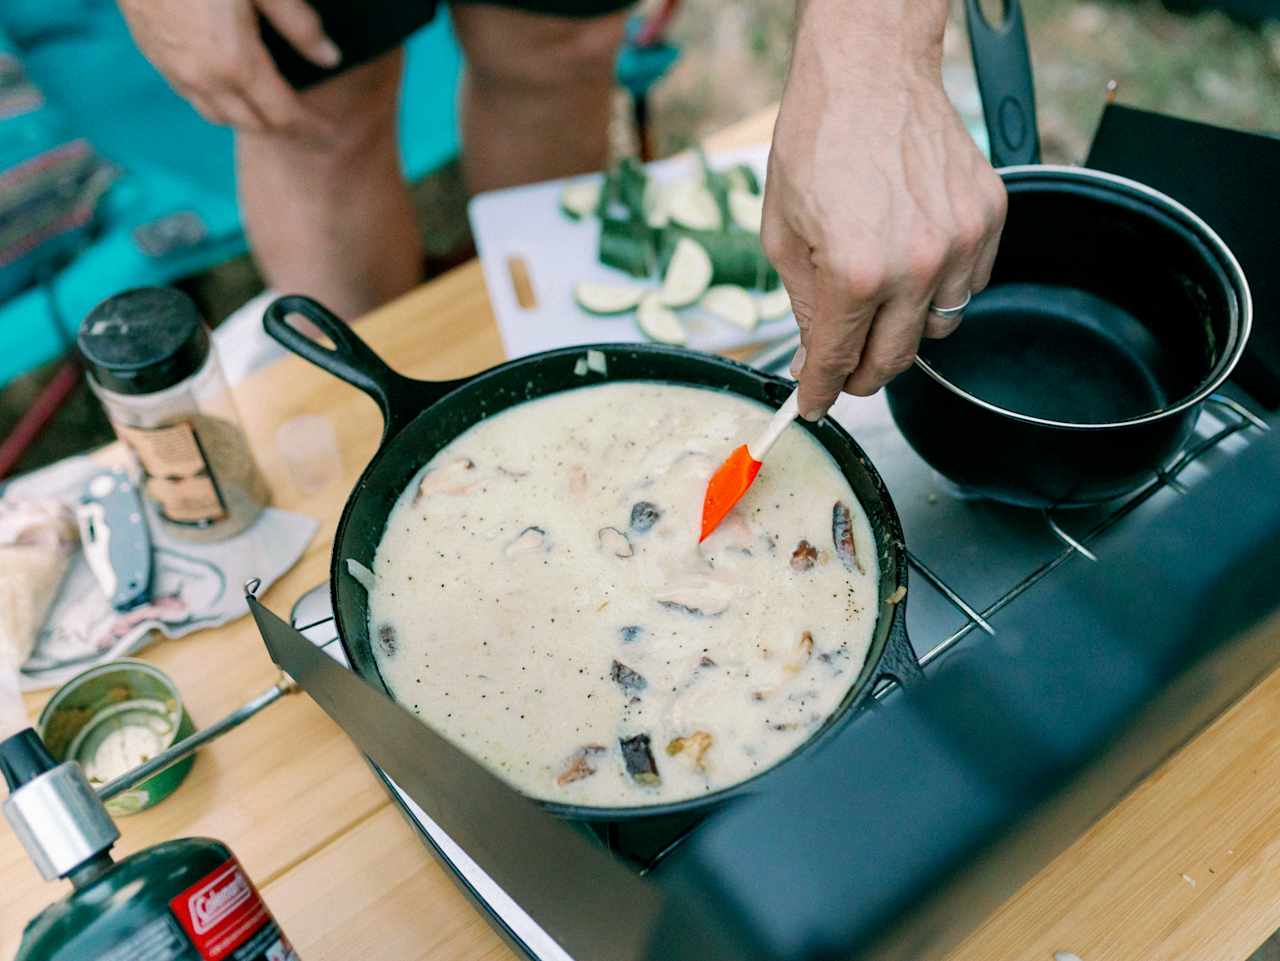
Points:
(1186, 867)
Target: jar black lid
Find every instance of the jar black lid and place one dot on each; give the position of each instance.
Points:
(143, 340)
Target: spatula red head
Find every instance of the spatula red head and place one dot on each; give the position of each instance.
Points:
(726, 487)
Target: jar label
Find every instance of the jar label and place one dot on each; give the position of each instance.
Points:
(224, 917)
(177, 472)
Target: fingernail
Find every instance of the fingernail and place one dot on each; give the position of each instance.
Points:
(815, 414)
(797, 362)
(327, 54)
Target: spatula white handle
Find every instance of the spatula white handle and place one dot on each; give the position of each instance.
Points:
(785, 415)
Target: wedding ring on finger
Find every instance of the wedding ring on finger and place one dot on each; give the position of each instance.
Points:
(949, 313)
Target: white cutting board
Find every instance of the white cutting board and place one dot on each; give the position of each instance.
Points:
(526, 222)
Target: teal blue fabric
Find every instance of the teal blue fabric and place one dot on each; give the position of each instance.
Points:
(80, 54)
(28, 22)
(50, 180)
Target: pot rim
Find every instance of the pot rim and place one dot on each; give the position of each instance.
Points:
(1225, 366)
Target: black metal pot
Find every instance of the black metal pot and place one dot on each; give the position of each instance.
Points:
(1112, 314)
(421, 417)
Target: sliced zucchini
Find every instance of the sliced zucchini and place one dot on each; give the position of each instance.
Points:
(774, 305)
(579, 198)
(656, 214)
(659, 323)
(688, 274)
(627, 245)
(717, 185)
(742, 177)
(632, 183)
(736, 256)
(746, 210)
(608, 203)
(681, 185)
(607, 299)
(694, 206)
(733, 304)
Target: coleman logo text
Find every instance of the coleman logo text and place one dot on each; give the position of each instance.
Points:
(218, 898)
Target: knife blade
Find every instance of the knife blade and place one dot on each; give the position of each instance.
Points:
(115, 538)
(593, 906)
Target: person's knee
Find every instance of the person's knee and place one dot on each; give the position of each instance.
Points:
(562, 52)
(362, 103)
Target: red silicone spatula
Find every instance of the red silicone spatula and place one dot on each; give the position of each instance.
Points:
(734, 476)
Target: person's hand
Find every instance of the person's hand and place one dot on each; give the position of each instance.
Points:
(877, 202)
(212, 53)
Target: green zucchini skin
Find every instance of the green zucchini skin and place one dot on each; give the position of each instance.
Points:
(627, 245)
(736, 256)
(743, 177)
(632, 181)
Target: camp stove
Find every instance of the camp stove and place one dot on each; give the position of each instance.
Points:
(1055, 647)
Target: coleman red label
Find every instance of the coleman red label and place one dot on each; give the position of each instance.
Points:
(225, 918)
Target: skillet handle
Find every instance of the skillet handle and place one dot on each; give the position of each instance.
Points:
(899, 661)
(399, 398)
(1002, 61)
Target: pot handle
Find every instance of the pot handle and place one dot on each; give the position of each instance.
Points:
(1002, 63)
(399, 398)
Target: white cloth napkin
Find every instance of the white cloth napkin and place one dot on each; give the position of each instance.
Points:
(193, 585)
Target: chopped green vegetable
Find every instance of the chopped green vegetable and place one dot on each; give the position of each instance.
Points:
(632, 183)
(655, 206)
(693, 202)
(736, 257)
(658, 323)
(642, 225)
(687, 274)
(746, 210)
(717, 185)
(693, 206)
(627, 245)
(610, 205)
(579, 198)
(775, 305)
(608, 193)
(605, 299)
(742, 177)
(733, 304)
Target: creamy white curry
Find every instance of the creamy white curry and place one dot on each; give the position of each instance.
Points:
(540, 598)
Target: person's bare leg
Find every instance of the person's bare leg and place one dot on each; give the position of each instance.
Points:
(333, 219)
(535, 99)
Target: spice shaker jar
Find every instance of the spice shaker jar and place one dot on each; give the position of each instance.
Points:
(148, 356)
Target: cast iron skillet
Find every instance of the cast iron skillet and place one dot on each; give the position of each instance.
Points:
(1112, 314)
(421, 417)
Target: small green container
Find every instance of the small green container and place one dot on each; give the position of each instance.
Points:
(114, 717)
